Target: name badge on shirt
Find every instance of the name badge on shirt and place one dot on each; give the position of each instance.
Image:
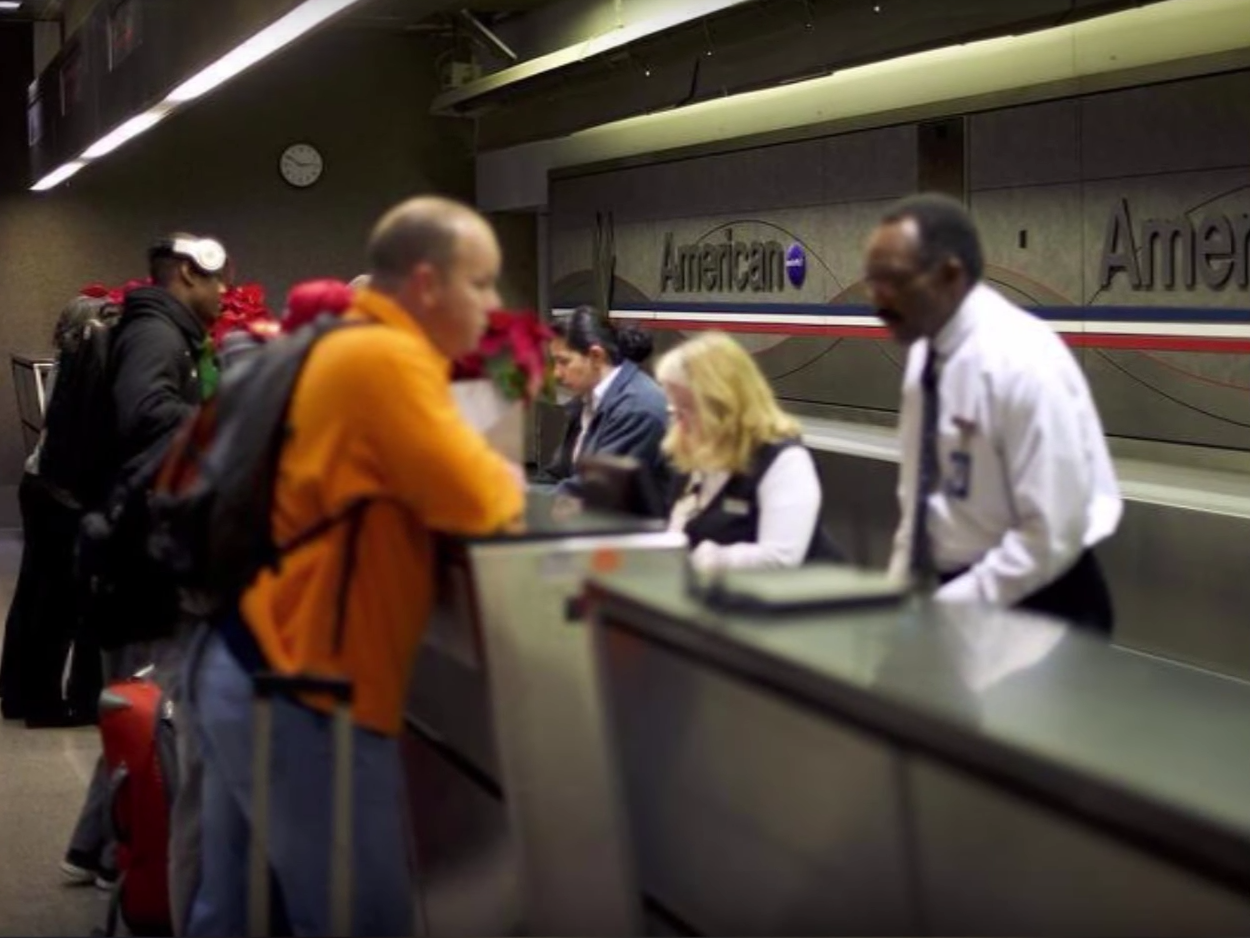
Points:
(959, 479)
(737, 507)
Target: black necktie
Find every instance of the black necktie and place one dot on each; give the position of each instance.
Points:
(924, 573)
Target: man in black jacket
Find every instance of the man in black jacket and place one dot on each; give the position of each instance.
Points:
(160, 360)
(161, 350)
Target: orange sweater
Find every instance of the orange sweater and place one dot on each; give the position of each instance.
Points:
(372, 415)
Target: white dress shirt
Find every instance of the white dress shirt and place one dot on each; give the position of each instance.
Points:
(1026, 480)
(789, 506)
(591, 407)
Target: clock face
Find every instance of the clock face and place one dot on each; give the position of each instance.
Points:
(301, 165)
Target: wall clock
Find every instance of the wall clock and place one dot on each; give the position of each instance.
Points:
(301, 165)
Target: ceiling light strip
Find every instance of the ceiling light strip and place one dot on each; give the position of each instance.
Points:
(58, 176)
(266, 42)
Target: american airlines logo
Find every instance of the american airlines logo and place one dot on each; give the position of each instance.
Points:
(1166, 251)
(727, 264)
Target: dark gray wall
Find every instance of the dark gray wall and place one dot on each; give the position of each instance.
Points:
(360, 96)
(75, 12)
(518, 236)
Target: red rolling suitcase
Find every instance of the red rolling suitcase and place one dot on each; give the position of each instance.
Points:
(136, 727)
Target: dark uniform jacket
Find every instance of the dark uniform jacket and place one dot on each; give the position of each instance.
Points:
(631, 421)
(733, 514)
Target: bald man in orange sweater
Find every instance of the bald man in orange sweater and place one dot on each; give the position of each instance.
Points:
(373, 423)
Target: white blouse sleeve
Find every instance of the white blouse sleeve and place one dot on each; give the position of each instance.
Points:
(789, 500)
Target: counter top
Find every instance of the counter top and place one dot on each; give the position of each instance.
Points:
(548, 518)
(1209, 490)
(1154, 751)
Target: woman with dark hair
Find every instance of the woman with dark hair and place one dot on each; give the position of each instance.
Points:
(617, 409)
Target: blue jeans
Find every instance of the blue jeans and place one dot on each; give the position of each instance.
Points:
(301, 805)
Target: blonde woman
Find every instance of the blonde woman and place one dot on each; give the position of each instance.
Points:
(751, 495)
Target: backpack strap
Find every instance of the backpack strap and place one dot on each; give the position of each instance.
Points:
(355, 520)
(354, 516)
(354, 509)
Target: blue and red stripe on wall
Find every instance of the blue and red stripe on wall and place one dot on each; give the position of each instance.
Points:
(1145, 328)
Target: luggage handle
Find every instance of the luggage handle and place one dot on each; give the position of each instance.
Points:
(266, 686)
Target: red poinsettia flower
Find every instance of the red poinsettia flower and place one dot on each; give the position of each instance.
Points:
(242, 307)
(114, 295)
(313, 298)
(513, 354)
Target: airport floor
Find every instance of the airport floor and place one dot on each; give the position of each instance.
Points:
(43, 776)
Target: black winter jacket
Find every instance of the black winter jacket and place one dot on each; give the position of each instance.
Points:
(153, 371)
(155, 376)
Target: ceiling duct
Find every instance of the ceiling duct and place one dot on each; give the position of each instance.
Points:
(492, 42)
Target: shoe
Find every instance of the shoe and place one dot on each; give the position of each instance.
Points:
(78, 868)
(105, 879)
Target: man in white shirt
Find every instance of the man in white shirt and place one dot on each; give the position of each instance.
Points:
(1006, 483)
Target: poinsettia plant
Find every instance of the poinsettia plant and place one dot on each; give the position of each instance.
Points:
(513, 355)
(242, 307)
(113, 295)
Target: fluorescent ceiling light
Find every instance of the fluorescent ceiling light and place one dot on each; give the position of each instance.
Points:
(269, 40)
(10, 4)
(132, 128)
(58, 176)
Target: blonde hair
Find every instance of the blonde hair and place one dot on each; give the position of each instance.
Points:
(736, 409)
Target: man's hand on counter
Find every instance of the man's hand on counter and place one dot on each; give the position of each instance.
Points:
(565, 507)
(518, 475)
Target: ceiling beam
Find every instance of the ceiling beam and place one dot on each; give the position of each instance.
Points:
(665, 16)
(1164, 41)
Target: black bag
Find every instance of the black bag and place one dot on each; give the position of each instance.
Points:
(78, 452)
(126, 596)
(212, 502)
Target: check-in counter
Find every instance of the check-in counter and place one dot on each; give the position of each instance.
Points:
(1179, 592)
(512, 779)
(903, 770)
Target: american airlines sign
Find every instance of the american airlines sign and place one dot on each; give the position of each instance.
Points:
(1170, 252)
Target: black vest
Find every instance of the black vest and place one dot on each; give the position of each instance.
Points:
(733, 515)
